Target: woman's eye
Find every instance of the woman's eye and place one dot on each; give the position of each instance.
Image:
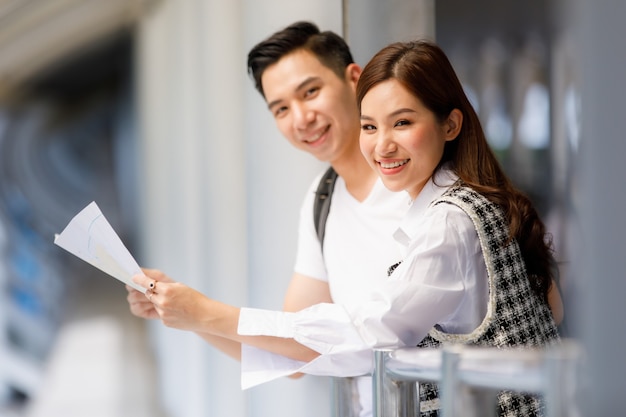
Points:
(402, 123)
(368, 127)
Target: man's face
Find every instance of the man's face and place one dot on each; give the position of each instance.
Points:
(313, 108)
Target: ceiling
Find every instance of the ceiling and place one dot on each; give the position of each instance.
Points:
(35, 35)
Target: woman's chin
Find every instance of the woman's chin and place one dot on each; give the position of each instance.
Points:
(393, 186)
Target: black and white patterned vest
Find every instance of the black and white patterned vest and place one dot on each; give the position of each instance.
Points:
(515, 315)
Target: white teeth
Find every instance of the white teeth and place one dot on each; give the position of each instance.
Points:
(316, 137)
(396, 164)
(313, 139)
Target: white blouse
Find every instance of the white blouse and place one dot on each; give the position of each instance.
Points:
(442, 281)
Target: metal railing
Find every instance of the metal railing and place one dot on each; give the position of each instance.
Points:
(470, 378)
(345, 401)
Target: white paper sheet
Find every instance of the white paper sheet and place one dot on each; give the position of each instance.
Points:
(90, 237)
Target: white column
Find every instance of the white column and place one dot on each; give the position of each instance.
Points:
(193, 193)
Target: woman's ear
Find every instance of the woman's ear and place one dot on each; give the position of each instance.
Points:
(453, 124)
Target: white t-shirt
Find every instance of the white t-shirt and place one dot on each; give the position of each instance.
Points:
(358, 245)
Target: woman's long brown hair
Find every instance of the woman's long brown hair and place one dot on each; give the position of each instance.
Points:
(423, 68)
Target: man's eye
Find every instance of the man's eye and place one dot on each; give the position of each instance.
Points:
(280, 110)
(311, 91)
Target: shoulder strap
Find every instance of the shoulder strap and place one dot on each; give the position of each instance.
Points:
(322, 202)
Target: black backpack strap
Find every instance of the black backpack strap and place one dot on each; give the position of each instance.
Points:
(322, 202)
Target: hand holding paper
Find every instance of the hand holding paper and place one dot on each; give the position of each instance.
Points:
(90, 237)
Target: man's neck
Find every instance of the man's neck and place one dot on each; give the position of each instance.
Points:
(357, 174)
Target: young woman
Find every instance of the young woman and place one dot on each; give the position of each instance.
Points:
(473, 242)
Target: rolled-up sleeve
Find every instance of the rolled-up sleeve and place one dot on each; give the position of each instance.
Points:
(325, 328)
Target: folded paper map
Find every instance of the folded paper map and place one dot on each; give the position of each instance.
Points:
(90, 237)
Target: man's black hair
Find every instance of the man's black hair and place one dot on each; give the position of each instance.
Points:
(330, 48)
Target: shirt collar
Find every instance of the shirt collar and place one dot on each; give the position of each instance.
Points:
(444, 178)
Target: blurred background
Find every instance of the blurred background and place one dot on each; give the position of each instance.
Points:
(145, 107)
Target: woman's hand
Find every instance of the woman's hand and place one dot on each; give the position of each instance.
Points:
(139, 304)
(176, 304)
(184, 308)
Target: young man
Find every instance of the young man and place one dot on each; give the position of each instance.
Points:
(308, 79)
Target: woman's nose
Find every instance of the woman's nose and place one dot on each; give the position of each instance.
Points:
(385, 144)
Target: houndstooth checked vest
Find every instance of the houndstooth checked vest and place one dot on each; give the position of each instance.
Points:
(515, 315)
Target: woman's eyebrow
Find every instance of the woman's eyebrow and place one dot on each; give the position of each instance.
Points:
(392, 114)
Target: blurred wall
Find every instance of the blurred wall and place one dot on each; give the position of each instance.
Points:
(369, 25)
(597, 31)
(66, 115)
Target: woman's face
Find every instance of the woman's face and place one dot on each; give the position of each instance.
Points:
(400, 138)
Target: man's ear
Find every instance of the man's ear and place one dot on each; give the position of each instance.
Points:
(453, 124)
(353, 72)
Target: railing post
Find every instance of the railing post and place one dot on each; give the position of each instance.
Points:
(379, 378)
(408, 399)
(343, 395)
(392, 398)
(561, 376)
(449, 385)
